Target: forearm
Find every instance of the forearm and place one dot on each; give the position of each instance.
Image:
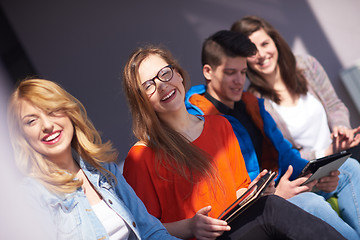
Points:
(181, 229)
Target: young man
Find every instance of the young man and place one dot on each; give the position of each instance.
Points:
(224, 56)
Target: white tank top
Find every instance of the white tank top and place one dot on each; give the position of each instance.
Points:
(307, 123)
(114, 225)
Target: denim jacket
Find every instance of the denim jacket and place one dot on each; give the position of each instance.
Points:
(73, 217)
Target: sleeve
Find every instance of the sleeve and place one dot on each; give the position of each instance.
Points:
(32, 211)
(246, 147)
(287, 154)
(337, 112)
(149, 226)
(236, 158)
(139, 176)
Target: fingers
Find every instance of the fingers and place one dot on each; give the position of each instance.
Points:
(207, 227)
(204, 210)
(329, 183)
(261, 174)
(288, 173)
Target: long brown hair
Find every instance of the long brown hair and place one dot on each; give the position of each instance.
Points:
(49, 97)
(292, 76)
(172, 149)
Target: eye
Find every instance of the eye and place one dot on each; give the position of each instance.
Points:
(146, 85)
(30, 121)
(244, 71)
(165, 74)
(264, 44)
(55, 113)
(229, 72)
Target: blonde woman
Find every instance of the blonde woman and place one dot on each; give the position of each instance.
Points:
(72, 175)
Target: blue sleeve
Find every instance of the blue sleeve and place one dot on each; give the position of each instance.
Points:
(191, 108)
(287, 154)
(149, 226)
(246, 146)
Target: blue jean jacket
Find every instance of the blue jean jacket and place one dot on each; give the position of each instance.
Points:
(73, 217)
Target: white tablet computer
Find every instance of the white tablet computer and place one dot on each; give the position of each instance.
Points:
(322, 167)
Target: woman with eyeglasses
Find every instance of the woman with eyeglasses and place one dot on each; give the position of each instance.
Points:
(188, 169)
(72, 175)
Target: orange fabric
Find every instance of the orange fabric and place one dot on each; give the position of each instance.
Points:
(205, 105)
(252, 107)
(170, 197)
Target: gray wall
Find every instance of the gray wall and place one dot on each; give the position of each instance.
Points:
(83, 44)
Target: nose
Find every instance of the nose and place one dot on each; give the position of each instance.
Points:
(159, 85)
(47, 125)
(261, 53)
(239, 78)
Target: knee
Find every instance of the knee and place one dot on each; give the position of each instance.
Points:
(311, 202)
(350, 169)
(350, 165)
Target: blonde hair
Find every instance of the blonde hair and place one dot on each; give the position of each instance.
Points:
(172, 150)
(49, 97)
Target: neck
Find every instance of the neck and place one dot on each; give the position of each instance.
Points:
(66, 162)
(274, 79)
(183, 122)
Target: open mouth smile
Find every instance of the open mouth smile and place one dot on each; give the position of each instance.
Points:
(168, 95)
(52, 138)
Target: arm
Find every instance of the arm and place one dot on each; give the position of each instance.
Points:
(288, 189)
(320, 85)
(149, 226)
(200, 226)
(287, 155)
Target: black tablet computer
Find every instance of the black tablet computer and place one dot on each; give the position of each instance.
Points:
(322, 167)
(245, 200)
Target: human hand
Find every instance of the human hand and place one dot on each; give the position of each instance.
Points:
(344, 131)
(288, 189)
(270, 188)
(205, 227)
(343, 138)
(329, 183)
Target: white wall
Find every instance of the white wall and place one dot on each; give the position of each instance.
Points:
(84, 44)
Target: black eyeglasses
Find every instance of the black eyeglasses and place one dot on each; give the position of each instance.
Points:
(165, 74)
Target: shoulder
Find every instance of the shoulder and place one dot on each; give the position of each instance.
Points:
(217, 124)
(140, 157)
(139, 150)
(213, 119)
(36, 194)
(306, 61)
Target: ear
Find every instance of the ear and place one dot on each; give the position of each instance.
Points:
(179, 75)
(207, 71)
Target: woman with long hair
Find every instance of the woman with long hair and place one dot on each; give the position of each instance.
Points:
(187, 169)
(299, 96)
(72, 175)
(292, 83)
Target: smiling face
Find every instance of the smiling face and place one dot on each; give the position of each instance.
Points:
(168, 96)
(265, 62)
(226, 82)
(50, 134)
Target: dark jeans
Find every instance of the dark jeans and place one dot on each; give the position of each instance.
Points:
(272, 217)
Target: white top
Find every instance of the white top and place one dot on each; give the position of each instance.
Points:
(307, 123)
(114, 225)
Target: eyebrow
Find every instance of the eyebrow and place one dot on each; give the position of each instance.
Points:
(28, 115)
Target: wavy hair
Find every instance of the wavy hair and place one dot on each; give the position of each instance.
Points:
(49, 97)
(172, 150)
(293, 77)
